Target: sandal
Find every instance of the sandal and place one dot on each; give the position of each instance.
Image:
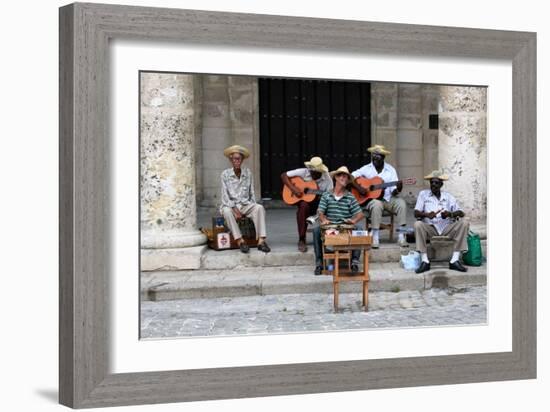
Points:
(302, 247)
(244, 247)
(264, 248)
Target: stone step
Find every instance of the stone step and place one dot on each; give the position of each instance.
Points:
(290, 256)
(248, 281)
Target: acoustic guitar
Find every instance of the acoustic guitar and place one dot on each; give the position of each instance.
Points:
(309, 189)
(375, 187)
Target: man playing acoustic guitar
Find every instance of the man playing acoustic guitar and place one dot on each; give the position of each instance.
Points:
(296, 192)
(389, 199)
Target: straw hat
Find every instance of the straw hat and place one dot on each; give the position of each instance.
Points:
(236, 149)
(316, 164)
(380, 149)
(341, 169)
(437, 174)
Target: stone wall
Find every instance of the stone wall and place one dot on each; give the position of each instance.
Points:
(463, 146)
(409, 152)
(229, 116)
(384, 98)
(430, 137)
(400, 121)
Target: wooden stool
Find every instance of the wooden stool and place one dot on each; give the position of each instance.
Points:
(342, 246)
(333, 255)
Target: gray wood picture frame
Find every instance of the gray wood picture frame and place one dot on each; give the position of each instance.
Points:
(85, 31)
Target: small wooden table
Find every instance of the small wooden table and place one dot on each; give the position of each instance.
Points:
(345, 243)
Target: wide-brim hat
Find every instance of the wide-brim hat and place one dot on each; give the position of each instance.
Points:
(236, 149)
(316, 164)
(380, 149)
(437, 174)
(341, 169)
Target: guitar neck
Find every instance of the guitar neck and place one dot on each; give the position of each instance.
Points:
(386, 184)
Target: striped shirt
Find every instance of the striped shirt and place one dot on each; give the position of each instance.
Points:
(337, 211)
(427, 202)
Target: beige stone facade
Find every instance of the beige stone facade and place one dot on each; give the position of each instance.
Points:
(229, 110)
(187, 121)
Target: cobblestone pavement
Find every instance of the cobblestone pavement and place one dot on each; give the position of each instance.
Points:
(312, 312)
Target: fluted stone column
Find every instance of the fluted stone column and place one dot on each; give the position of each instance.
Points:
(463, 146)
(169, 235)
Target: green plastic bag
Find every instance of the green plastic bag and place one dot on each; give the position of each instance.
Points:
(474, 255)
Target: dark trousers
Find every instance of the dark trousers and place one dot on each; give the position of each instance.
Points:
(303, 211)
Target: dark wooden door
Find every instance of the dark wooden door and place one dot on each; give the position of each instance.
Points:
(300, 119)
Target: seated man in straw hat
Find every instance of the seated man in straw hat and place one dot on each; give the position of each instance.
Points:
(238, 198)
(437, 209)
(390, 200)
(337, 206)
(315, 171)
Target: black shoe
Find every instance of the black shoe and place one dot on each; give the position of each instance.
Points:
(424, 267)
(318, 270)
(457, 266)
(354, 268)
(244, 247)
(262, 247)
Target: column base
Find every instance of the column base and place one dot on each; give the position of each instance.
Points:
(171, 250)
(171, 259)
(170, 239)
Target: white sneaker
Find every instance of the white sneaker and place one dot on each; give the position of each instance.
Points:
(312, 219)
(402, 241)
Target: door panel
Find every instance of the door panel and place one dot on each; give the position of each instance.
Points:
(304, 118)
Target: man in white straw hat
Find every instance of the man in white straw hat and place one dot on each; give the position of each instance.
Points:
(337, 206)
(438, 209)
(238, 200)
(315, 171)
(390, 200)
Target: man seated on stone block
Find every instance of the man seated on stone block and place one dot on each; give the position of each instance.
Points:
(315, 171)
(438, 209)
(337, 206)
(238, 199)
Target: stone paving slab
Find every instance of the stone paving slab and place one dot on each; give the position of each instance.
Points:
(291, 313)
(250, 281)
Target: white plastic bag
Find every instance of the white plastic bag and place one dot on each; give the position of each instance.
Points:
(411, 261)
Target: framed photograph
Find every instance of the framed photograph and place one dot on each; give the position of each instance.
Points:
(119, 64)
(190, 290)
